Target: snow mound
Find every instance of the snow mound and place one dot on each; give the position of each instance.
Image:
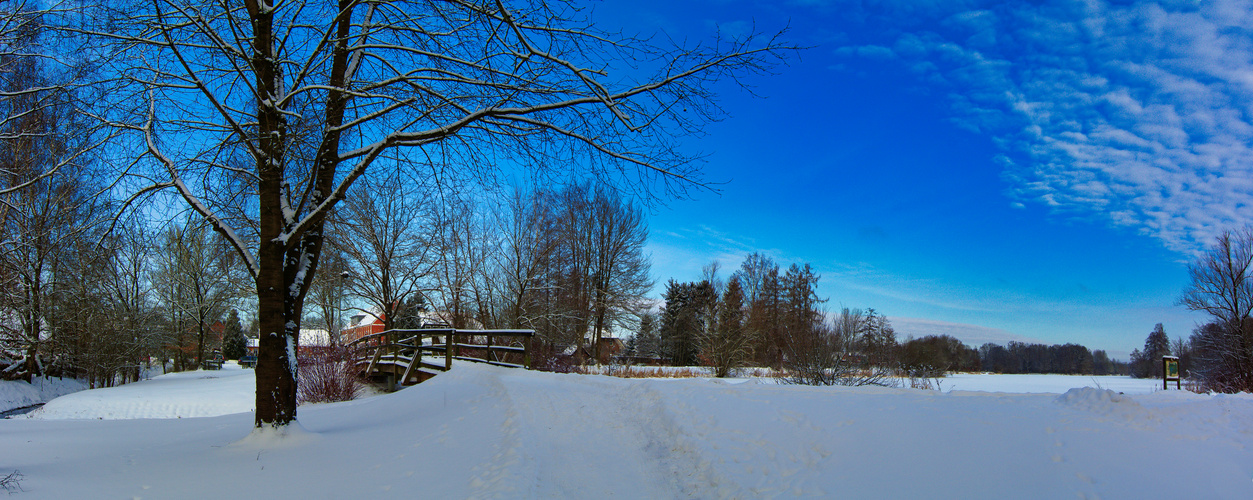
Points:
(267, 437)
(1102, 402)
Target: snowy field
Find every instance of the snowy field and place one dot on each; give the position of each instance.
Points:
(485, 432)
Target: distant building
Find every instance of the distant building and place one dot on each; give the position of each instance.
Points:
(361, 325)
(309, 339)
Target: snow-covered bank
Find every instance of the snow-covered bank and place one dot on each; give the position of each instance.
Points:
(480, 431)
(200, 393)
(20, 394)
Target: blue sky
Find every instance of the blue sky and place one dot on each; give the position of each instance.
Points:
(1037, 171)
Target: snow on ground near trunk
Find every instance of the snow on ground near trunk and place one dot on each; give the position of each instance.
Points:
(200, 393)
(480, 431)
(20, 394)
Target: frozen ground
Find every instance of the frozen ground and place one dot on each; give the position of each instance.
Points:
(19, 394)
(482, 432)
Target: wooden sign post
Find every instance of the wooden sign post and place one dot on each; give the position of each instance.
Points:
(1170, 371)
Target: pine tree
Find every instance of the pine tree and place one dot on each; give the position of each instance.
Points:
(684, 318)
(726, 346)
(234, 343)
(1155, 346)
(649, 344)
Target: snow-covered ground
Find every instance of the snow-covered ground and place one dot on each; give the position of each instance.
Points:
(20, 394)
(480, 431)
(200, 393)
(1056, 384)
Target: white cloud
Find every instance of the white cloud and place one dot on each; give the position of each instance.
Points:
(1140, 114)
(971, 335)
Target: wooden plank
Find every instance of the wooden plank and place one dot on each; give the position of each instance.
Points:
(370, 370)
(409, 369)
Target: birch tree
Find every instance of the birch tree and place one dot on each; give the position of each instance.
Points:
(287, 103)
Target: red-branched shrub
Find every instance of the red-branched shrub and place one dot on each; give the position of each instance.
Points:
(327, 375)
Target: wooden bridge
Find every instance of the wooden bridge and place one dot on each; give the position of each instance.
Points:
(408, 357)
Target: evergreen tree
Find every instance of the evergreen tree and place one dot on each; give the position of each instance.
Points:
(409, 314)
(1139, 369)
(1155, 346)
(649, 343)
(683, 319)
(878, 341)
(234, 343)
(725, 346)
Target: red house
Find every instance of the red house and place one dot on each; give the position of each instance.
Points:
(361, 325)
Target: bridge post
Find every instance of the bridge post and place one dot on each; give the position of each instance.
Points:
(447, 352)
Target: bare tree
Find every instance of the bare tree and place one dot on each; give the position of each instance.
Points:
(201, 278)
(759, 276)
(36, 85)
(528, 243)
(328, 290)
(463, 257)
(312, 94)
(385, 232)
(46, 199)
(103, 306)
(1222, 286)
(618, 277)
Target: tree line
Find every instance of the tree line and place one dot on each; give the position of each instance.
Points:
(762, 315)
(103, 305)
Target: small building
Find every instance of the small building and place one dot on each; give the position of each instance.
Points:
(361, 325)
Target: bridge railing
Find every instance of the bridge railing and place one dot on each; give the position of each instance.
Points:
(392, 352)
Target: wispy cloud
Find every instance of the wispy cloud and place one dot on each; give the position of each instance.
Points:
(972, 335)
(1141, 114)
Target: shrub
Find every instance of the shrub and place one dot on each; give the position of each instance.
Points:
(328, 375)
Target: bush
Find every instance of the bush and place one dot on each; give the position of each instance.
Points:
(547, 359)
(328, 375)
(1223, 357)
(817, 356)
